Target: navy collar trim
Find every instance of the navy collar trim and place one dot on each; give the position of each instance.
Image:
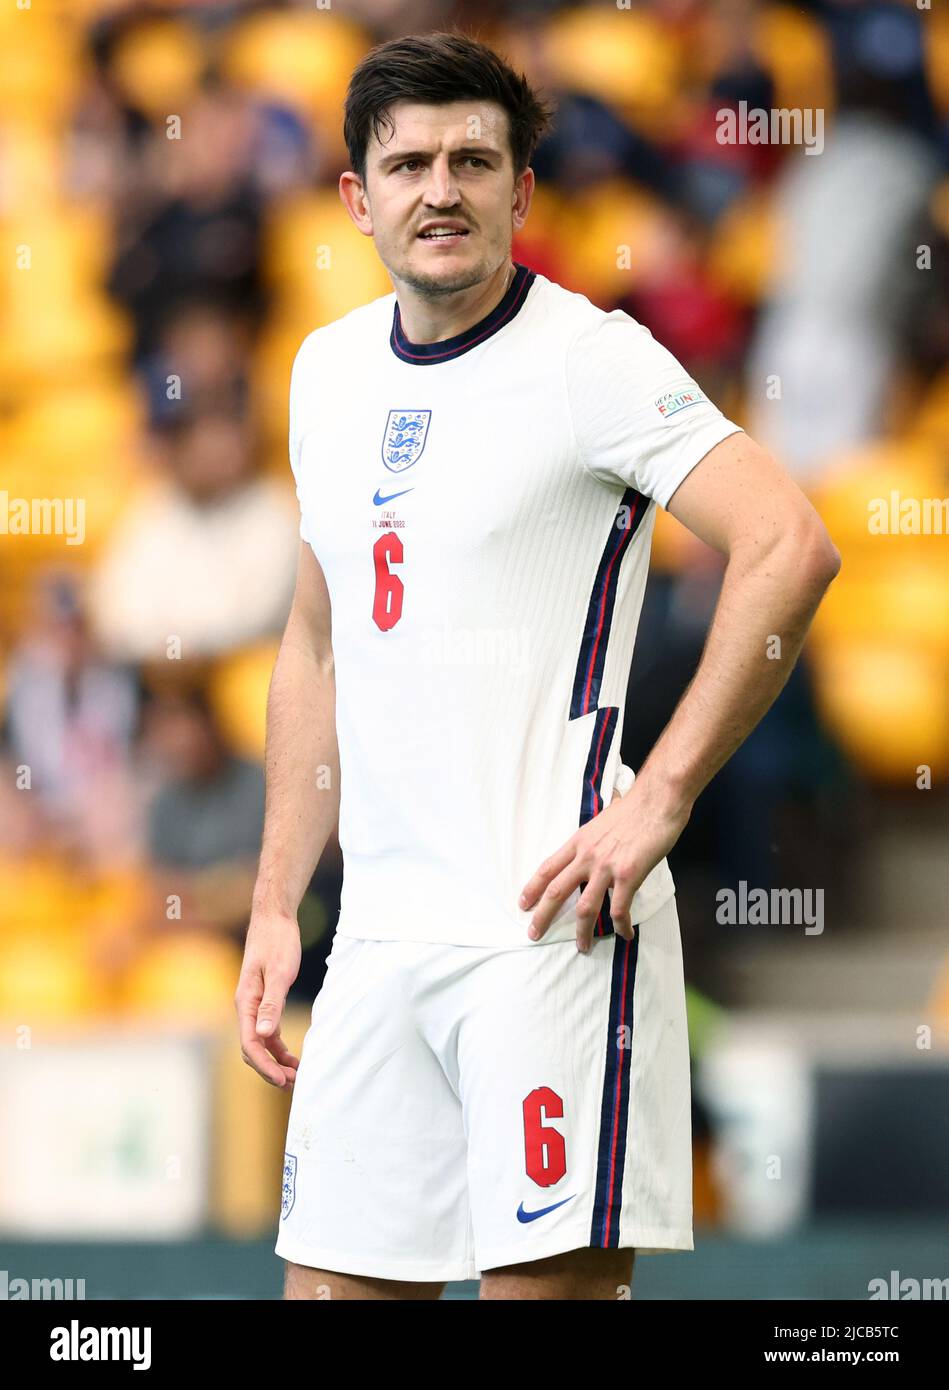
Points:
(425, 354)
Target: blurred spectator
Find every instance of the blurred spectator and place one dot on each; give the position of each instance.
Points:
(201, 354)
(206, 820)
(71, 719)
(699, 323)
(589, 143)
(209, 559)
(199, 229)
(831, 340)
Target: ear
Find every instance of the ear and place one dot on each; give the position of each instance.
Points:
(352, 191)
(521, 198)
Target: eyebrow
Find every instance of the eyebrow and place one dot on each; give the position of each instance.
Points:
(481, 150)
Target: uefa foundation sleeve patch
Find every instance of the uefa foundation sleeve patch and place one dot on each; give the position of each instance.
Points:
(675, 401)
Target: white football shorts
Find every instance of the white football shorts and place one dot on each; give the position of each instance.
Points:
(459, 1108)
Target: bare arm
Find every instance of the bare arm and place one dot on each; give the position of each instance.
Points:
(302, 759)
(301, 810)
(780, 561)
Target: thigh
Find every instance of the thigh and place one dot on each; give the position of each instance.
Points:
(374, 1181)
(576, 1093)
(324, 1284)
(577, 1274)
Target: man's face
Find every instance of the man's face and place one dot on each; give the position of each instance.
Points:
(446, 165)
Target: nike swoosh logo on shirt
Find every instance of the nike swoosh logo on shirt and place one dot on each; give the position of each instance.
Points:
(523, 1215)
(381, 501)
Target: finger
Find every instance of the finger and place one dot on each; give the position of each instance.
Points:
(589, 904)
(279, 1048)
(538, 882)
(555, 894)
(281, 1053)
(252, 1049)
(621, 901)
(270, 1008)
(256, 1055)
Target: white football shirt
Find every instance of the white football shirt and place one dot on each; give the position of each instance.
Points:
(482, 510)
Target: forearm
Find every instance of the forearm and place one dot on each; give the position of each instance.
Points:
(765, 607)
(302, 775)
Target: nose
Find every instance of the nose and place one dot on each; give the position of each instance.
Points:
(441, 189)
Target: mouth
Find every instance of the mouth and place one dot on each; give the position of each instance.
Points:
(440, 234)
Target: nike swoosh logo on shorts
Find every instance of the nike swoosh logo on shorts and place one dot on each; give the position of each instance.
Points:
(381, 501)
(523, 1215)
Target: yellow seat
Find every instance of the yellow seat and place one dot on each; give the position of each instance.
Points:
(238, 688)
(855, 483)
(47, 978)
(629, 59)
(742, 258)
(93, 419)
(318, 263)
(939, 1000)
(907, 598)
(885, 703)
(300, 58)
(183, 978)
(157, 65)
(611, 236)
(795, 50)
(36, 892)
(930, 427)
(935, 34)
(41, 66)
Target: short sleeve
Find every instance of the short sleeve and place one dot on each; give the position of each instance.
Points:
(639, 418)
(296, 429)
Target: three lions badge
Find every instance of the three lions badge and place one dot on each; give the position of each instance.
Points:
(289, 1189)
(404, 439)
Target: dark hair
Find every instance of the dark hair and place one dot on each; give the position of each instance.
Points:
(436, 69)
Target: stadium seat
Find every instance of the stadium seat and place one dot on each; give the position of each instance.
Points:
(318, 264)
(48, 978)
(598, 226)
(157, 65)
(183, 978)
(885, 702)
(854, 480)
(794, 49)
(630, 60)
(743, 254)
(40, 67)
(935, 33)
(238, 688)
(298, 57)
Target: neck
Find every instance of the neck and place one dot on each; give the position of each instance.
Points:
(433, 318)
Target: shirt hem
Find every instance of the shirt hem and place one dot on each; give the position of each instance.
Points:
(500, 939)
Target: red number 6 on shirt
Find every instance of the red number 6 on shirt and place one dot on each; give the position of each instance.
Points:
(387, 600)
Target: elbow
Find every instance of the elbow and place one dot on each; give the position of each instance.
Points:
(818, 560)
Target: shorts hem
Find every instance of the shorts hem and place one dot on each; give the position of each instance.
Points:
(371, 1267)
(645, 1240)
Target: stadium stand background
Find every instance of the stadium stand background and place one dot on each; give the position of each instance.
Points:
(171, 231)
